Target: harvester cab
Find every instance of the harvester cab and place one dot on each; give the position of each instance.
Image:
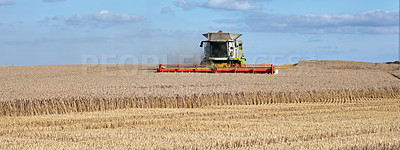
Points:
(222, 49)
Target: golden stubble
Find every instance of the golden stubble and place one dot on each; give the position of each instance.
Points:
(367, 124)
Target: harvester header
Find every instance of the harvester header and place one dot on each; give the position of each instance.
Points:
(222, 53)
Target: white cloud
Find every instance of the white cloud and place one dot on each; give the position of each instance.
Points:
(375, 21)
(167, 10)
(3, 2)
(102, 19)
(232, 4)
(221, 4)
(49, 19)
(188, 4)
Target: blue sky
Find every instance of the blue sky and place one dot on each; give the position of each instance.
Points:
(52, 32)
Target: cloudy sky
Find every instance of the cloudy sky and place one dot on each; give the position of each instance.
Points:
(52, 32)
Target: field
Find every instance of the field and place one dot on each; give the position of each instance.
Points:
(314, 104)
(367, 124)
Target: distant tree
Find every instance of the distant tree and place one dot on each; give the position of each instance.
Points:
(395, 62)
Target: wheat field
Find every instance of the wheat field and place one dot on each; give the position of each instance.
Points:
(36, 90)
(310, 105)
(367, 124)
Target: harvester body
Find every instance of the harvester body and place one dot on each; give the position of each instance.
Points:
(222, 49)
(223, 53)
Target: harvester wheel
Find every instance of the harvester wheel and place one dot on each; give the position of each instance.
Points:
(206, 62)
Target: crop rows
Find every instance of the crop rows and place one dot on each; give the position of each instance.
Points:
(84, 104)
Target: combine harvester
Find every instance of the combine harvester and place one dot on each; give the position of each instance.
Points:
(223, 54)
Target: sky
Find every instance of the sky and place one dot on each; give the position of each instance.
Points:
(57, 32)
